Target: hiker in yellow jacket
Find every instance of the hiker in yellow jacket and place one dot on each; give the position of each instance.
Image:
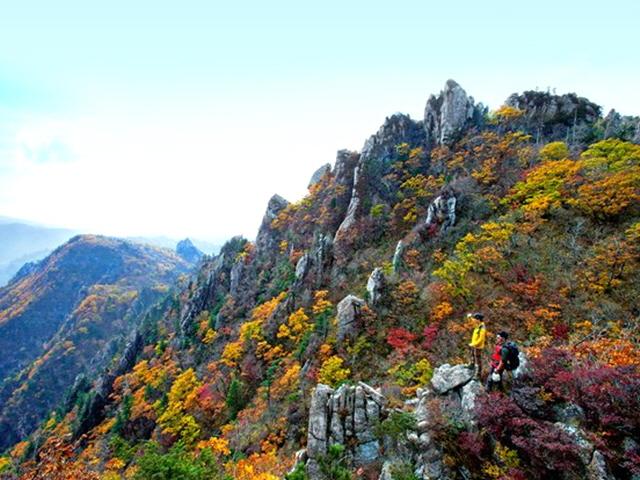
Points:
(478, 341)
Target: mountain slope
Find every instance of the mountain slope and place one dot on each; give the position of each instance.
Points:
(66, 316)
(237, 371)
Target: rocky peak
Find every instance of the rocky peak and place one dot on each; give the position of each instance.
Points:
(449, 113)
(398, 128)
(188, 251)
(623, 127)
(265, 240)
(555, 117)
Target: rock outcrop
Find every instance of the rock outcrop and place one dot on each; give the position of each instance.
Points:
(447, 377)
(268, 238)
(448, 114)
(346, 416)
(376, 286)
(623, 127)
(550, 117)
(348, 312)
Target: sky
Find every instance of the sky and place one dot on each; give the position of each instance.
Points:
(143, 118)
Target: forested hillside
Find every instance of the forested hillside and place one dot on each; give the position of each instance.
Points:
(328, 332)
(68, 316)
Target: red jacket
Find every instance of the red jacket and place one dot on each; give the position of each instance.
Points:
(496, 356)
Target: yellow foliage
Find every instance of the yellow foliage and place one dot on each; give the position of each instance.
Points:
(175, 420)
(298, 324)
(5, 463)
(321, 304)
(258, 466)
(232, 353)
(507, 112)
(441, 311)
(209, 336)
(286, 383)
(332, 373)
(554, 151)
(218, 445)
(115, 464)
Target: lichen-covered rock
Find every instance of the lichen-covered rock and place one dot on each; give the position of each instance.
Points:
(569, 413)
(447, 377)
(348, 312)
(236, 276)
(585, 448)
(598, 469)
(302, 267)
(446, 115)
(322, 257)
(397, 257)
(319, 421)
(468, 396)
(375, 286)
(347, 416)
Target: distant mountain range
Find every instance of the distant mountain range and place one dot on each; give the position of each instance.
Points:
(68, 315)
(22, 242)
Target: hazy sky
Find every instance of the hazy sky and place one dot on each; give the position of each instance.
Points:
(183, 118)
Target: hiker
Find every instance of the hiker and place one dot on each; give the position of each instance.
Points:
(478, 342)
(505, 358)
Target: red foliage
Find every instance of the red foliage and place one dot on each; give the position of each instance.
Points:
(608, 395)
(473, 444)
(400, 339)
(429, 334)
(548, 364)
(547, 448)
(560, 331)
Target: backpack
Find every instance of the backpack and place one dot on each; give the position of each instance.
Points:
(512, 360)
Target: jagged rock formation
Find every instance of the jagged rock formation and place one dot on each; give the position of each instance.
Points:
(346, 416)
(349, 415)
(623, 127)
(442, 211)
(376, 286)
(447, 377)
(397, 256)
(348, 313)
(555, 117)
(268, 238)
(448, 114)
(220, 276)
(188, 251)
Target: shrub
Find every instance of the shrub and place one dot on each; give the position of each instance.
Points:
(333, 465)
(177, 463)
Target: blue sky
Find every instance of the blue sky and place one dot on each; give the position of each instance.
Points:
(183, 118)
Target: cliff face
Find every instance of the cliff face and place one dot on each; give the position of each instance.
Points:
(325, 333)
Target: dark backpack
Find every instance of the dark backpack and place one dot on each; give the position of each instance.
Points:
(512, 360)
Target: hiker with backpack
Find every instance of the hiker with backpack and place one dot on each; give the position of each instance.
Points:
(505, 358)
(478, 342)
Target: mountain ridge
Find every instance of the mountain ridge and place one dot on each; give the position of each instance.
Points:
(537, 227)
